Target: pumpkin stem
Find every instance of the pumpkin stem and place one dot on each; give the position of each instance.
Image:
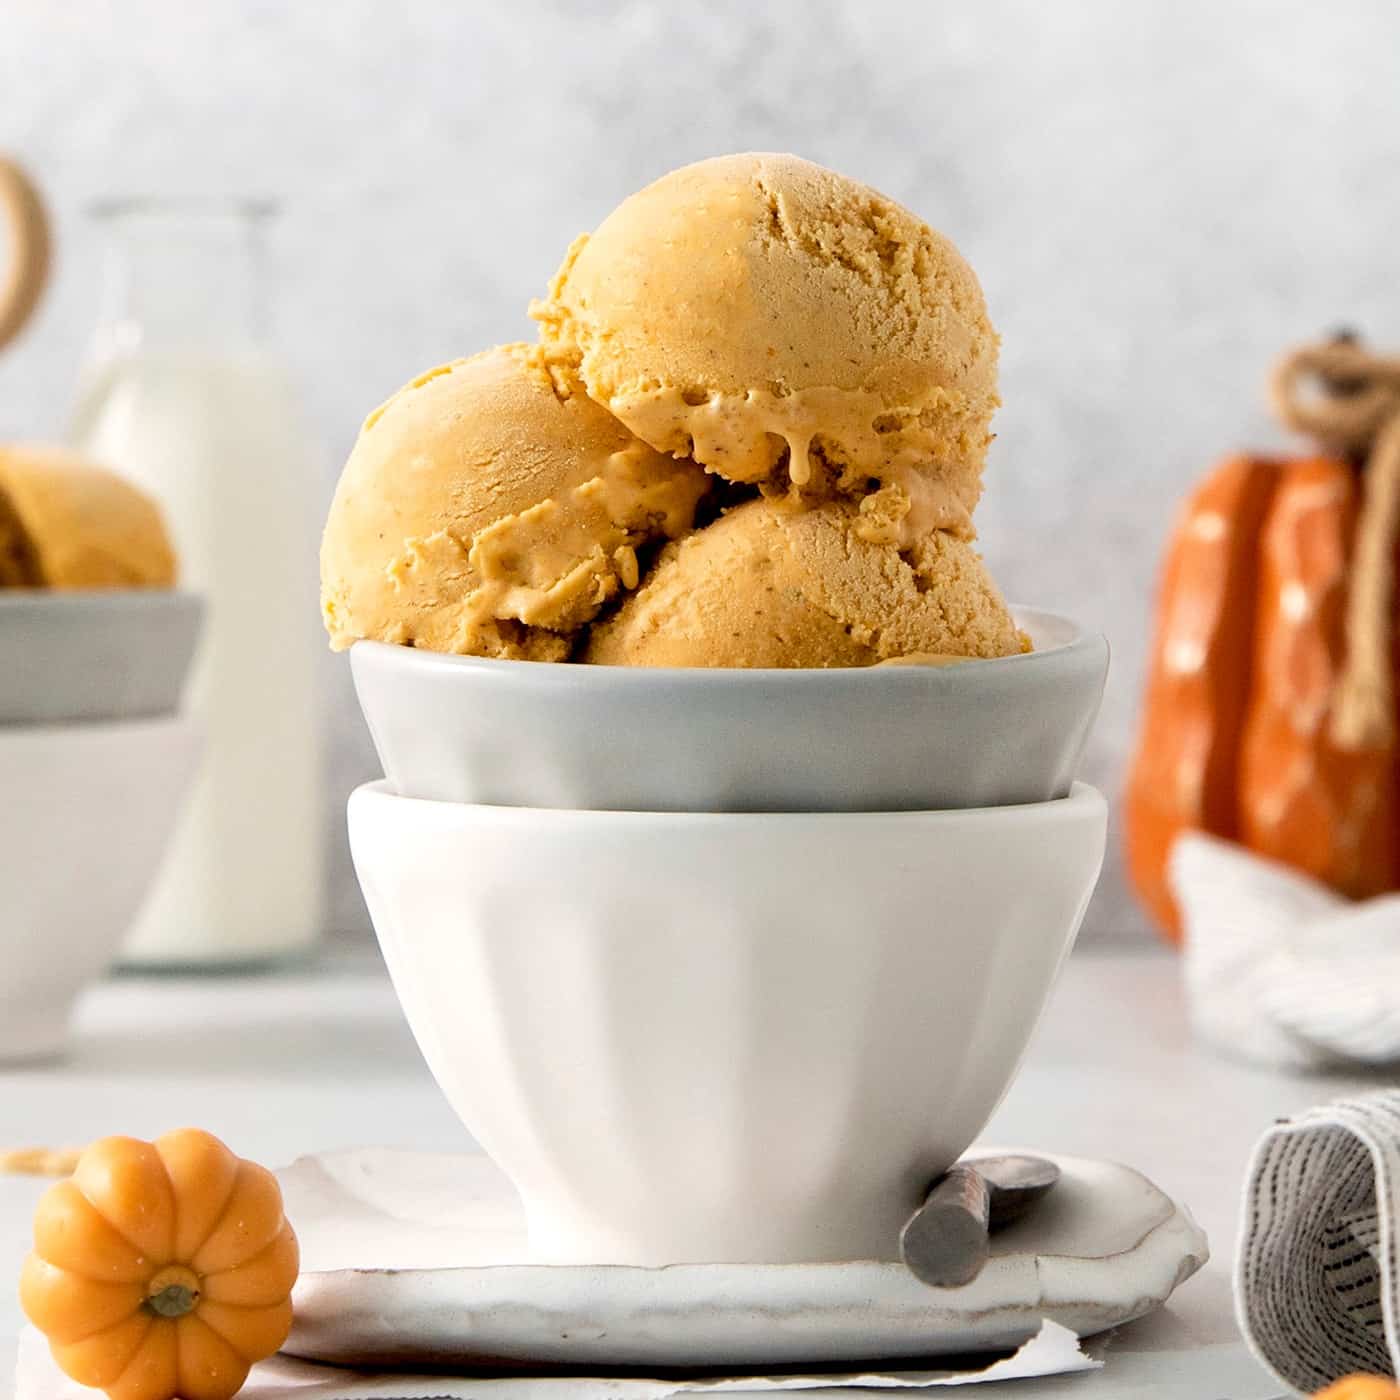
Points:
(1357, 414)
(173, 1292)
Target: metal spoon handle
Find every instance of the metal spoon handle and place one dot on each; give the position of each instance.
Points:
(945, 1241)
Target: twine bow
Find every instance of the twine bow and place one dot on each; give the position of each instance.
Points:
(22, 217)
(1349, 400)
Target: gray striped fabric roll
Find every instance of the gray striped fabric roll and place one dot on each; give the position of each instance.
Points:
(1318, 1266)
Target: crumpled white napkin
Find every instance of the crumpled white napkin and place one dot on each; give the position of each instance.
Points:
(1281, 969)
(1317, 1275)
(1054, 1351)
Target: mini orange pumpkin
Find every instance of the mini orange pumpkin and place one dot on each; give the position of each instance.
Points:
(1269, 711)
(162, 1269)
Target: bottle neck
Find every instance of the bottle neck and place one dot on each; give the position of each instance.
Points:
(181, 280)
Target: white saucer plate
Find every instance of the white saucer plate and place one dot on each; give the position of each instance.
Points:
(417, 1259)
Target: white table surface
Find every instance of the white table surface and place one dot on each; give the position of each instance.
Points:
(280, 1065)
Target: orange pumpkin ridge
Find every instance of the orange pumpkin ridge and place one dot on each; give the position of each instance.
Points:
(1184, 773)
(1238, 735)
(1327, 811)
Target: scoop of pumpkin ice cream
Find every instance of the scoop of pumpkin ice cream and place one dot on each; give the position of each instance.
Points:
(785, 325)
(786, 588)
(68, 524)
(491, 508)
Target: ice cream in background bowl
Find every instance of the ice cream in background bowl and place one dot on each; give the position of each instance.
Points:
(702, 559)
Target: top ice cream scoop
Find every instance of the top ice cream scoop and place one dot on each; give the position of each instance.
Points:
(785, 325)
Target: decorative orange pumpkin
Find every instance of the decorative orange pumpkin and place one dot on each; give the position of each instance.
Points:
(1269, 710)
(162, 1269)
(1361, 1388)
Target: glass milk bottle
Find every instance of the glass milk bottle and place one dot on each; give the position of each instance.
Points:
(182, 395)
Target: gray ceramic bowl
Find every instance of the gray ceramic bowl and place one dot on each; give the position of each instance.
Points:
(889, 738)
(78, 657)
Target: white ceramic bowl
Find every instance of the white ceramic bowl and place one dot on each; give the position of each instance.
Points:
(86, 811)
(693, 1037)
(884, 738)
(114, 654)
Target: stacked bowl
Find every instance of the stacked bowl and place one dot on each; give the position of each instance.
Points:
(95, 759)
(727, 965)
(723, 934)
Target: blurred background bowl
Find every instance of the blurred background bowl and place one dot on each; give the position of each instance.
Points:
(888, 738)
(88, 810)
(111, 655)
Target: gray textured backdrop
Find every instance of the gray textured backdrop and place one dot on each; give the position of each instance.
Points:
(1157, 197)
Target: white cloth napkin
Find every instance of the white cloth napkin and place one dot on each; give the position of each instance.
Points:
(1281, 969)
(1317, 1278)
(1054, 1351)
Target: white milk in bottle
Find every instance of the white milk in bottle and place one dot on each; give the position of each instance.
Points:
(182, 396)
